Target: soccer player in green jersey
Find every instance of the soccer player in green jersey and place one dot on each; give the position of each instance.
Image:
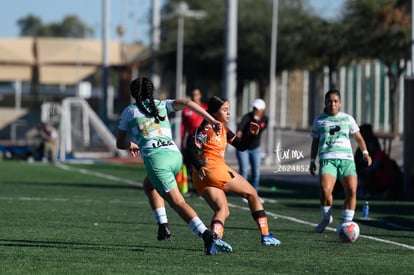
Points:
(148, 122)
(331, 133)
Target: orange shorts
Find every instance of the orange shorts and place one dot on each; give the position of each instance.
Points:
(219, 175)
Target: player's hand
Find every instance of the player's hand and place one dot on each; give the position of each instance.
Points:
(216, 125)
(134, 149)
(254, 128)
(312, 168)
(367, 158)
(203, 172)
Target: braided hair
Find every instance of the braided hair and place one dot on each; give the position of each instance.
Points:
(143, 89)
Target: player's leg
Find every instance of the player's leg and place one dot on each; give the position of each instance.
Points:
(161, 169)
(349, 181)
(328, 173)
(158, 207)
(217, 200)
(240, 186)
(327, 183)
(211, 243)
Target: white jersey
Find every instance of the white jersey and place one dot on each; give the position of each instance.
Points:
(333, 133)
(148, 134)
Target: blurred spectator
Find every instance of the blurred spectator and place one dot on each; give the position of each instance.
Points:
(48, 145)
(190, 122)
(383, 179)
(253, 153)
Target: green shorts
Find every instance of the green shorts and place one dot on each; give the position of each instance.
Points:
(338, 168)
(162, 167)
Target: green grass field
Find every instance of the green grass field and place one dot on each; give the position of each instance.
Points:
(95, 219)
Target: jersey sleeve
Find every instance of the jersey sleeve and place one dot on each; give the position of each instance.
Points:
(353, 126)
(240, 144)
(192, 150)
(123, 122)
(169, 104)
(195, 143)
(315, 130)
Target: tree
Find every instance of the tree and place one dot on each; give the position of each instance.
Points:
(380, 29)
(71, 26)
(204, 40)
(30, 25)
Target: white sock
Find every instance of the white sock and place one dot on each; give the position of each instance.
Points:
(197, 226)
(161, 215)
(326, 212)
(347, 215)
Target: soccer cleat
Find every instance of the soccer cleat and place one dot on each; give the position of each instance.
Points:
(270, 240)
(222, 246)
(163, 231)
(322, 226)
(209, 239)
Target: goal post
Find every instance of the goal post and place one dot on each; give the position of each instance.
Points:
(82, 134)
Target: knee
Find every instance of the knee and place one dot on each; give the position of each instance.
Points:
(223, 212)
(148, 188)
(252, 196)
(351, 192)
(226, 212)
(327, 188)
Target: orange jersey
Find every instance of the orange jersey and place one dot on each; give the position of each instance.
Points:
(212, 145)
(212, 148)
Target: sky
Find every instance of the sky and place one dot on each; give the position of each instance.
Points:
(134, 15)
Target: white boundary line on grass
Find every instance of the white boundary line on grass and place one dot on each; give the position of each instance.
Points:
(275, 216)
(99, 175)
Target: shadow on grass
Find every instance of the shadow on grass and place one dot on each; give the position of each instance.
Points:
(88, 246)
(394, 223)
(65, 245)
(288, 190)
(79, 185)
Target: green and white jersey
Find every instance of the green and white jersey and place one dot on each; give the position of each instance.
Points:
(333, 133)
(149, 135)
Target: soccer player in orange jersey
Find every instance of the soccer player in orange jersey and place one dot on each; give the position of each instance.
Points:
(213, 178)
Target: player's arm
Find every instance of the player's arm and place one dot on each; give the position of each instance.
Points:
(123, 144)
(314, 152)
(192, 148)
(362, 145)
(243, 143)
(181, 104)
(192, 152)
(242, 125)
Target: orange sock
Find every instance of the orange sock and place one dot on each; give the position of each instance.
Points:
(261, 220)
(217, 227)
(263, 226)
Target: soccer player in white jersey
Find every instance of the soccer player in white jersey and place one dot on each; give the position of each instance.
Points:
(151, 136)
(331, 133)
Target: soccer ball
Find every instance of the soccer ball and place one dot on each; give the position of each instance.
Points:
(347, 232)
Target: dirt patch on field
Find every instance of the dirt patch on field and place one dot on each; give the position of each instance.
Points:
(126, 160)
